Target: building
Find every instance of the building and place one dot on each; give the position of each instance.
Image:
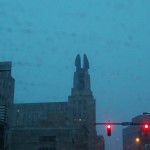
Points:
(66, 125)
(6, 100)
(134, 137)
(100, 142)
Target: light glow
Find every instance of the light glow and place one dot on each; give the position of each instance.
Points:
(137, 140)
(146, 126)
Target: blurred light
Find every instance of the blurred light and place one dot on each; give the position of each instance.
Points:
(137, 140)
(146, 126)
(146, 129)
(80, 119)
(108, 126)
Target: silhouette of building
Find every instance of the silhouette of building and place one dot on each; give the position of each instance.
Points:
(100, 143)
(57, 125)
(6, 100)
(134, 137)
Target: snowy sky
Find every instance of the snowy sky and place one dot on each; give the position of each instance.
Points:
(43, 37)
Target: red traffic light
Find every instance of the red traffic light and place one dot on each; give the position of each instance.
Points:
(146, 129)
(108, 129)
(146, 126)
(108, 126)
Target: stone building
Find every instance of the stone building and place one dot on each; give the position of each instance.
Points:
(6, 99)
(134, 137)
(57, 125)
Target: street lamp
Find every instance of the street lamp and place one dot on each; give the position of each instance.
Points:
(137, 140)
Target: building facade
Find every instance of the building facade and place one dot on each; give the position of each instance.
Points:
(134, 137)
(100, 142)
(6, 100)
(66, 125)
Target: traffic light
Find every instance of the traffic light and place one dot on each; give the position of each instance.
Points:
(146, 129)
(108, 126)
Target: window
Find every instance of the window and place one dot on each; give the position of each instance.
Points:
(47, 139)
(47, 143)
(47, 148)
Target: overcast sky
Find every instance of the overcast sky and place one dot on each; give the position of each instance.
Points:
(43, 37)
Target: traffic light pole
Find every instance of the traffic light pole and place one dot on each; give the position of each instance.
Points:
(146, 125)
(109, 126)
(120, 123)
